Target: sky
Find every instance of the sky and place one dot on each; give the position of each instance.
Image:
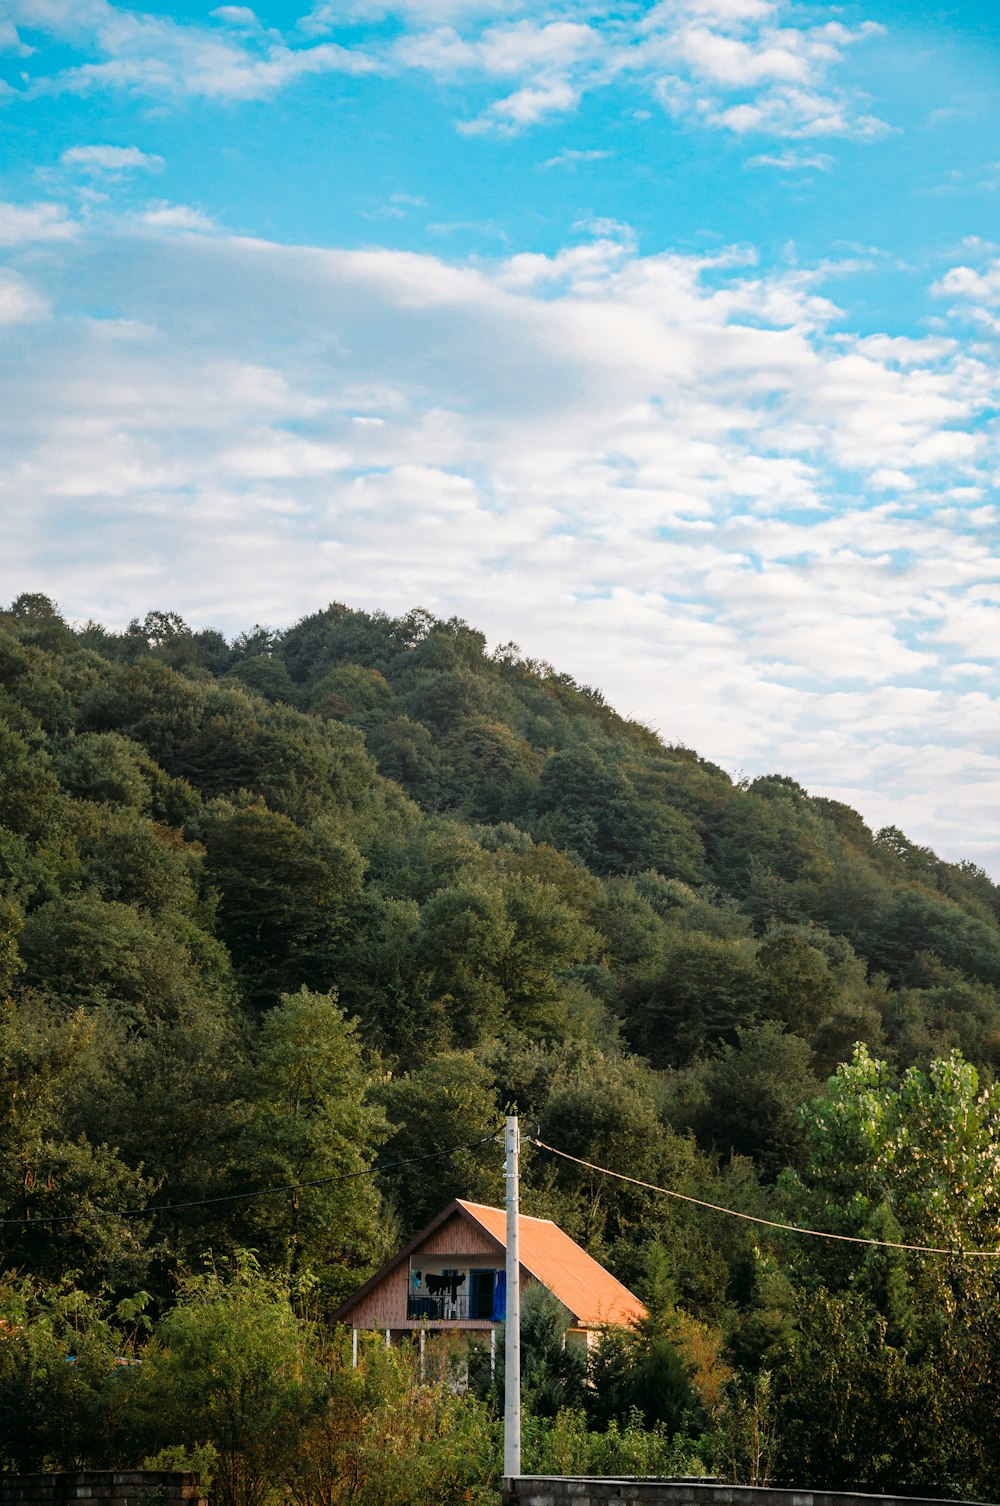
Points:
(661, 339)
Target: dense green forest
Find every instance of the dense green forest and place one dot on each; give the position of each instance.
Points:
(311, 904)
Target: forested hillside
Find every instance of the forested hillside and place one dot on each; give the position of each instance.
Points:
(310, 904)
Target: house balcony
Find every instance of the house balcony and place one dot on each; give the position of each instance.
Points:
(444, 1309)
(467, 1294)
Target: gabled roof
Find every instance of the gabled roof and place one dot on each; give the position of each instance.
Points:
(580, 1282)
(592, 1295)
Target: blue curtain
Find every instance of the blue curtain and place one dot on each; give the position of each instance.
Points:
(499, 1297)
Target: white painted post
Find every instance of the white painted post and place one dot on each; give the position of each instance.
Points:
(423, 1373)
(388, 1338)
(354, 1347)
(512, 1325)
(493, 1353)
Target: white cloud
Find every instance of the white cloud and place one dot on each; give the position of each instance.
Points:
(177, 217)
(793, 162)
(736, 64)
(235, 15)
(981, 286)
(510, 51)
(415, 13)
(215, 70)
(525, 107)
(23, 223)
(109, 159)
(10, 41)
(695, 57)
(793, 112)
(573, 157)
(20, 303)
(724, 12)
(147, 54)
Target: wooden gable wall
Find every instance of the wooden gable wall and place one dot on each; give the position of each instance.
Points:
(385, 1305)
(458, 1235)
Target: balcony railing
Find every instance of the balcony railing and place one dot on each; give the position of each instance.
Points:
(443, 1309)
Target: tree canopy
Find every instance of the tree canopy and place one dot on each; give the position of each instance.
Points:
(287, 911)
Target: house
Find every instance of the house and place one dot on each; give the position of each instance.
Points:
(451, 1277)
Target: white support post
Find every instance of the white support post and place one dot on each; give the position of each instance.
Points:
(512, 1325)
(423, 1368)
(493, 1353)
(388, 1338)
(354, 1348)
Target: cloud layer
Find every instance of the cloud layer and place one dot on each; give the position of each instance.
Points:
(737, 65)
(676, 476)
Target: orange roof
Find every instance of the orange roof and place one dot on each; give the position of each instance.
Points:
(591, 1293)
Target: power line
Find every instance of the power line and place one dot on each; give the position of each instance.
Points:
(769, 1223)
(233, 1197)
(437, 1155)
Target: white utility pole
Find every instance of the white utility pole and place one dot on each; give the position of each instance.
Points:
(512, 1324)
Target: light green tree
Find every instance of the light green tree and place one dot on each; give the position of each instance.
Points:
(891, 1377)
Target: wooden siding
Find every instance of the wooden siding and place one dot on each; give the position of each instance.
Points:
(458, 1236)
(385, 1305)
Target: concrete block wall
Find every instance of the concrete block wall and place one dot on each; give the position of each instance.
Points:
(561, 1490)
(140, 1487)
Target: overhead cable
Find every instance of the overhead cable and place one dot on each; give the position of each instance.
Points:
(768, 1223)
(234, 1197)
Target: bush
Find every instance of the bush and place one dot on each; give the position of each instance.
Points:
(384, 1437)
(564, 1445)
(233, 1367)
(66, 1377)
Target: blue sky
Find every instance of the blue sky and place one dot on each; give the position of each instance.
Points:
(661, 338)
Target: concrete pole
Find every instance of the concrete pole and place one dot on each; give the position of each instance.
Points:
(512, 1325)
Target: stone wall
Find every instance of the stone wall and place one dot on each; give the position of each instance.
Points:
(140, 1487)
(560, 1490)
